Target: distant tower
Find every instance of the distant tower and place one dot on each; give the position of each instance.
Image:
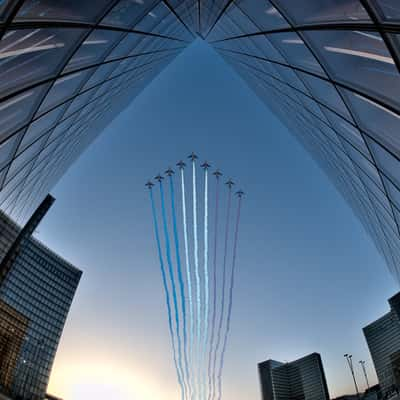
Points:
(36, 292)
(303, 379)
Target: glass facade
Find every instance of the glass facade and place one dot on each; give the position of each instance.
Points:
(35, 298)
(303, 379)
(329, 69)
(383, 339)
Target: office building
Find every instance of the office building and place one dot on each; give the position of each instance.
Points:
(36, 291)
(329, 69)
(303, 379)
(383, 339)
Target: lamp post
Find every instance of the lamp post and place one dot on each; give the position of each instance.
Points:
(365, 372)
(349, 359)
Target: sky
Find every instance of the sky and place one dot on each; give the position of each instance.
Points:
(308, 276)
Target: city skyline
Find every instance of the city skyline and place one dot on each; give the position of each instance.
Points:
(91, 182)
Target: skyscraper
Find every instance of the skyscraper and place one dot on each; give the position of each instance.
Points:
(35, 295)
(383, 339)
(329, 69)
(303, 379)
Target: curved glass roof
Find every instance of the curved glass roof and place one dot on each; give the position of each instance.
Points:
(329, 69)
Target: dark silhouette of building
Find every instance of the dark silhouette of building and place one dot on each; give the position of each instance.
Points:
(36, 290)
(303, 379)
(383, 339)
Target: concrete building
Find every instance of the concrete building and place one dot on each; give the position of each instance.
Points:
(303, 379)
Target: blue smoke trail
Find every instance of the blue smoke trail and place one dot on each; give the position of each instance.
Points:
(167, 296)
(196, 265)
(180, 278)
(188, 272)
(214, 308)
(232, 283)
(221, 317)
(172, 279)
(206, 278)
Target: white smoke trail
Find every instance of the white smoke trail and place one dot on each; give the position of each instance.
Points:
(188, 275)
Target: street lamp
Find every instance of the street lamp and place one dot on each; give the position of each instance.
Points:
(349, 359)
(365, 372)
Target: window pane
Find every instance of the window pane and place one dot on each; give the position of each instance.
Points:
(326, 93)
(5, 6)
(29, 55)
(101, 74)
(347, 131)
(7, 149)
(17, 111)
(236, 22)
(153, 18)
(63, 89)
(290, 76)
(263, 13)
(359, 59)
(386, 162)
(379, 122)
(390, 10)
(18, 180)
(69, 10)
(393, 192)
(40, 126)
(93, 49)
(27, 156)
(317, 11)
(296, 52)
(127, 13)
(125, 46)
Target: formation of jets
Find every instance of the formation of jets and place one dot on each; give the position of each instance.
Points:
(181, 165)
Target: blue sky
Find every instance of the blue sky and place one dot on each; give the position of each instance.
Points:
(308, 277)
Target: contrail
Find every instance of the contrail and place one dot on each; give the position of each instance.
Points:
(167, 296)
(172, 279)
(221, 317)
(206, 283)
(196, 263)
(232, 283)
(180, 279)
(214, 307)
(188, 272)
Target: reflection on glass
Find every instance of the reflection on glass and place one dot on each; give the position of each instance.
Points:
(263, 13)
(17, 111)
(4, 8)
(126, 45)
(326, 93)
(63, 89)
(236, 22)
(390, 10)
(386, 162)
(320, 11)
(153, 18)
(294, 49)
(93, 49)
(29, 55)
(359, 59)
(7, 149)
(40, 126)
(126, 13)
(378, 121)
(26, 157)
(68, 10)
